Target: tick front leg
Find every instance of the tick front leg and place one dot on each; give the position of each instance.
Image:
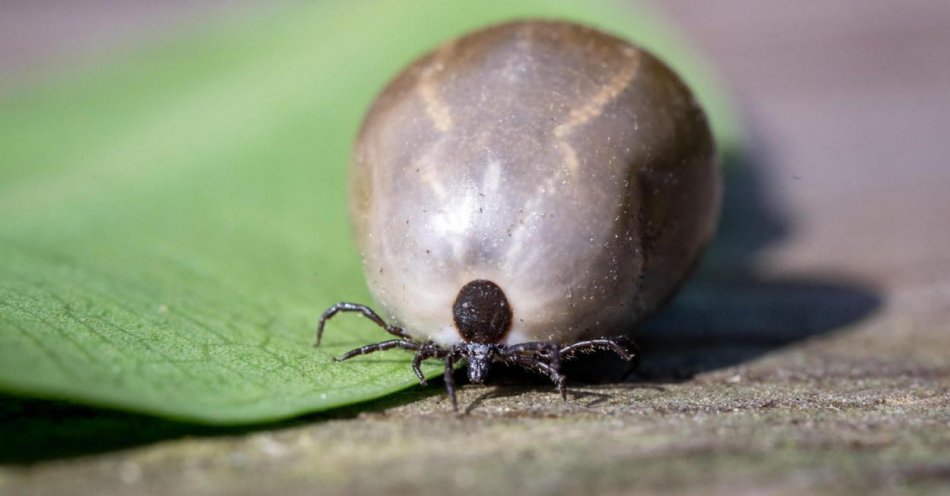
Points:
(417, 366)
(550, 349)
(365, 311)
(450, 381)
(425, 352)
(383, 346)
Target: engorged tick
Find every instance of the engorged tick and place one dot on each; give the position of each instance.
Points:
(533, 190)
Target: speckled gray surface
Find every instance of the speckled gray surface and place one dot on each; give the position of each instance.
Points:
(811, 354)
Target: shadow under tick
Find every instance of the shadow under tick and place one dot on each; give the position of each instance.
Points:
(729, 313)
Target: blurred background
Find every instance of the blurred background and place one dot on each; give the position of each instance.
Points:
(833, 260)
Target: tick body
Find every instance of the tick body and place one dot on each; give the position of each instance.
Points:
(527, 192)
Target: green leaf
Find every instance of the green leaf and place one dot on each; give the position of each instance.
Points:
(172, 224)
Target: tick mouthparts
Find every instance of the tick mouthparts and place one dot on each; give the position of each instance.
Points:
(479, 361)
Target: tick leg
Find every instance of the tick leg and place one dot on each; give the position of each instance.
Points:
(556, 377)
(617, 345)
(365, 311)
(550, 348)
(385, 345)
(424, 353)
(450, 381)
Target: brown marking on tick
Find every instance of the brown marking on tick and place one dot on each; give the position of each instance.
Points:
(526, 35)
(438, 111)
(594, 107)
(425, 166)
(427, 87)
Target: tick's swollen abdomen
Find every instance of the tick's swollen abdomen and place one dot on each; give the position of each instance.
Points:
(568, 167)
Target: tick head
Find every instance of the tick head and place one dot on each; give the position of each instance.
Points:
(479, 358)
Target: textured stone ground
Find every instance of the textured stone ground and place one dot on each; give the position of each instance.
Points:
(811, 354)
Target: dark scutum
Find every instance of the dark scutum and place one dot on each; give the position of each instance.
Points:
(482, 313)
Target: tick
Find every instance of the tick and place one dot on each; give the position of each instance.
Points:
(527, 193)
